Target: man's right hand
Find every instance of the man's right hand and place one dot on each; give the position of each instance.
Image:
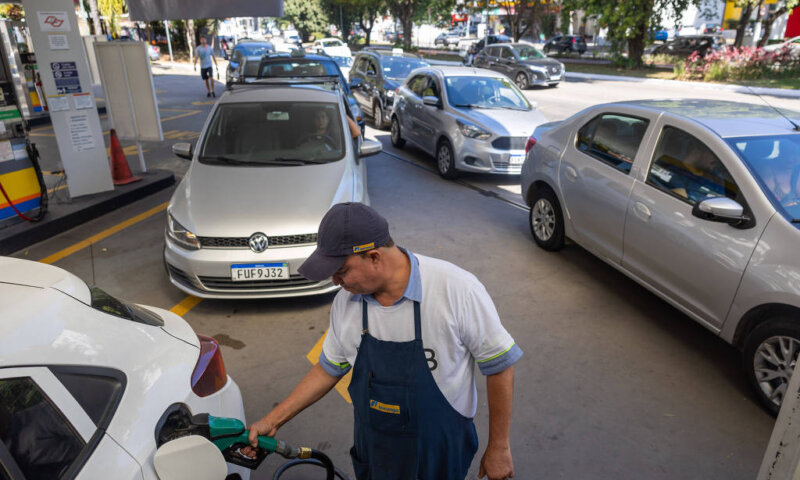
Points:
(265, 426)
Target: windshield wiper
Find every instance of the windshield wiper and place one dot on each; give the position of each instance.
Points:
(236, 161)
(297, 161)
(470, 105)
(796, 220)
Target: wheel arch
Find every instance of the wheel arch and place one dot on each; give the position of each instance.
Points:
(757, 316)
(535, 187)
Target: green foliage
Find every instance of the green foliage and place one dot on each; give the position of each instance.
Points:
(306, 15)
(12, 11)
(111, 9)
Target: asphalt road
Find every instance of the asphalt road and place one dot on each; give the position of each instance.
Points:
(614, 383)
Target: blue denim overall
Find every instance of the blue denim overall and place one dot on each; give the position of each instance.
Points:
(405, 429)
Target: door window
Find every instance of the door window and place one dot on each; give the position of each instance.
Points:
(431, 88)
(506, 53)
(417, 84)
(39, 438)
(686, 168)
(613, 139)
(371, 67)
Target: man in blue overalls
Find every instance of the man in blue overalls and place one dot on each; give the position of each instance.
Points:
(413, 328)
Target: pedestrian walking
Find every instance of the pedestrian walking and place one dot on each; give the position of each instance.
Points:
(412, 329)
(205, 54)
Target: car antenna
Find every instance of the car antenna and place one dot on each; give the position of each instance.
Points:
(794, 125)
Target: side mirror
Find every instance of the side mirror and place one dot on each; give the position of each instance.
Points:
(370, 148)
(370, 73)
(183, 150)
(356, 83)
(432, 101)
(192, 457)
(720, 209)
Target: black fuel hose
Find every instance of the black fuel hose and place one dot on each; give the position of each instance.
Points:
(318, 459)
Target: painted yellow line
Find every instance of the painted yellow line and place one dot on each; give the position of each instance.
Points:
(181, 115)
(341, 387)
(185, 305)
(62, 187)
(104, 234)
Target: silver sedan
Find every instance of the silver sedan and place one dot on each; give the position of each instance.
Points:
(698, 201)
(470, 119)
(271, 160)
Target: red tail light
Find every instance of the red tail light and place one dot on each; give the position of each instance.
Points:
(209, 374)
(574, 39)
(530, 143)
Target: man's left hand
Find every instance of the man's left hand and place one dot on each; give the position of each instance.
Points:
(496, 463)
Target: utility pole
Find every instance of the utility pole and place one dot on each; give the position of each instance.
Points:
(169, 42)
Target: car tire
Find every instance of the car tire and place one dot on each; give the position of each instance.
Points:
(546, 220)
(397, 140)
(522, 81)
(377, 115)
(552, 85)
(445, 160)
(781, 331)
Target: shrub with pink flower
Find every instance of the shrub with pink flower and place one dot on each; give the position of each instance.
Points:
(745, 63)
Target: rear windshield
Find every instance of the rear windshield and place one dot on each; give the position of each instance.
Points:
(256, 49)
(298, 67)
(398, 68)
(119, 308)
(775, 161)
(274, 134)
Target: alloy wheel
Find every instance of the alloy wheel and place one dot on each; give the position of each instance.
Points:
(543, 219)
(773, 363)
(522, 81)
(443, 158)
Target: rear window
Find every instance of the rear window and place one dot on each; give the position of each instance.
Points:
(298, 67)
(104, 302)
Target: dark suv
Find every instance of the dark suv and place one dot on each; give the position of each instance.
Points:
(685, 46)
(565, 43)
(521, 62)
(381, 72)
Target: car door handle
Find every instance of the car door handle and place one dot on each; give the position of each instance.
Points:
(571, 173)
(642, 210)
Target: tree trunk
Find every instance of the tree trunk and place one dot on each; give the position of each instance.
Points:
(98, 30)
(190, 38)
(743, 20)
(767, 25)
(407, 32)
(365, 21)
(636, 45)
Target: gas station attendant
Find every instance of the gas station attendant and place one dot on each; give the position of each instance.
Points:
(413, 329)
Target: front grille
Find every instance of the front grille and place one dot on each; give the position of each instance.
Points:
(225, 283)
(510, 143)
(242, 242)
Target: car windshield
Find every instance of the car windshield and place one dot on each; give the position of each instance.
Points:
(528, 52)
(343, 61)
(274, 134)
(249, 50)
(331, 43)
(775, 161)
(398, 68)
(485, 92)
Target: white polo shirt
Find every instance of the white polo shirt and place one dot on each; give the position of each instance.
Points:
(460, 326)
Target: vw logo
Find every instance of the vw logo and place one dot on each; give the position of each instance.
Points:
(258, 242)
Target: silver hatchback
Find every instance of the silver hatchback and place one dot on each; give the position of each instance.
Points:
(698, 201)
(470, 119)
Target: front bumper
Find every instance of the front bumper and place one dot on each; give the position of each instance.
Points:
(480, 156)
(206, 273)
(546, 78)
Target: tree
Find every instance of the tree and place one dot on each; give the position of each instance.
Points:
(404, 10)
(521, 15)
(307, 16)
(112, 9)
(190, 38)
(629, 21)
(98, 30)
(12, 11)
(747, 7)
(788, 5)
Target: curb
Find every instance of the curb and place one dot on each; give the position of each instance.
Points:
(775, 92)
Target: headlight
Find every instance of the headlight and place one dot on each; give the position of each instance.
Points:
(537, 69)
(390, 93)
(472, 131)
(181, 235)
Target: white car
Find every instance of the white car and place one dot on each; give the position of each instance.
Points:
(91, 386)
(333, 47)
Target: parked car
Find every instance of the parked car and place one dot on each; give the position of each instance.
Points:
(687, 45)
(89, 383)
(475, 47)
(246, 48)
(469, 119)
(709, 28)
(565, 44)
(390, 36)
(381, 72)
(446, 39)
(284, 147)
(659, 34)
(345, 64)
(332, 47)
(792, 44)
(283, 65)
(521, 62)
(153, 52)
(696, 200)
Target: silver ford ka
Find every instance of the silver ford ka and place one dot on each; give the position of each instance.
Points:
(470, 119)
(698, 201)
(270, 162)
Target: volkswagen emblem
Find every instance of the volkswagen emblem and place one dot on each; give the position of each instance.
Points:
(258, 242)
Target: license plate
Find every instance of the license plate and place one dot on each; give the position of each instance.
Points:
(555, 77)
(244, 272)
(517, 159)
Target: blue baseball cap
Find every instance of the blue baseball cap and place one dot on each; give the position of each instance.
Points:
(347, 229)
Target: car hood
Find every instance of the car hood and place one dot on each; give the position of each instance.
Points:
(542, 62)
(341, 51)
(504, 121)
(224, 201)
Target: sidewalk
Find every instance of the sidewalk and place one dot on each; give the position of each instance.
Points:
(775, 92)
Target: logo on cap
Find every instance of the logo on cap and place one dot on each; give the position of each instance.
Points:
(365, 247)
(258, 242)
